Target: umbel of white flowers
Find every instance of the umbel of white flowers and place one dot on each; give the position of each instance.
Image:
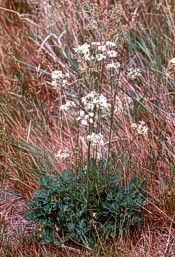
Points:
(96, 139)
(94, 99)
(58, 78)
(90, 102)
(102, 51)
(140, 128)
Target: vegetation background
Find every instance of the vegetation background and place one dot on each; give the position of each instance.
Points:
(32, 130)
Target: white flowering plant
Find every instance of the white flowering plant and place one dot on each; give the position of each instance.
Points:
(97, 189)
(89, 103)
(88, 86)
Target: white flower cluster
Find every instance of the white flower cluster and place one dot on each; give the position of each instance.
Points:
(59, 79)
(100, 57)
(93, 100)
(102, 50)
(62, 154)
(172, 62)
(113, 65)
(110, 44)
(95, 139)
(112, 53)
(133, 73)
(85, 118)
(140, 128)
(84, 50)
(67, 106)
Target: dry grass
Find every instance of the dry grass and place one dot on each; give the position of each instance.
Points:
(32, 130)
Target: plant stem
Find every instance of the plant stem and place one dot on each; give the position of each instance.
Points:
(112, 114)
(87, 175)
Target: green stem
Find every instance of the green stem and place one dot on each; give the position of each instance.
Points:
(87, 175)
(112, 115)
